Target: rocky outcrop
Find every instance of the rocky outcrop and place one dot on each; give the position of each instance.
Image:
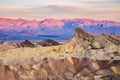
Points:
(26, 43)
(83, 41)
(48, 42)
(80, 34)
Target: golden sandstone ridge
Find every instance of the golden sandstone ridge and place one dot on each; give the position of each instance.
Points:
(84, 57)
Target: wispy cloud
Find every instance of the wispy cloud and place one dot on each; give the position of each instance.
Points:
(41, 9)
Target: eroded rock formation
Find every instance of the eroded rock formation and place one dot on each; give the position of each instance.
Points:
(51, 68)
(84, 57)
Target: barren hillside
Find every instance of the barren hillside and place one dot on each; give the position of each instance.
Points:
(84, 57)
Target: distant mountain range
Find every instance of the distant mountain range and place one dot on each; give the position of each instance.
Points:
(21, 29)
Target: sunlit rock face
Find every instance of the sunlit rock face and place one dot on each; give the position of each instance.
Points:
(51, 23)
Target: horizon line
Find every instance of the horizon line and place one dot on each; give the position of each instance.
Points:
(58, 19)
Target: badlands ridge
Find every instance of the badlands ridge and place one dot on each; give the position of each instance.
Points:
(84, 57)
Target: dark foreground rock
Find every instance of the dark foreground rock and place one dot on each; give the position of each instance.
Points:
(26, 43)
(48, 42)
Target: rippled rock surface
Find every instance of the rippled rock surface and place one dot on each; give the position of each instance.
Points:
(52, 68)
